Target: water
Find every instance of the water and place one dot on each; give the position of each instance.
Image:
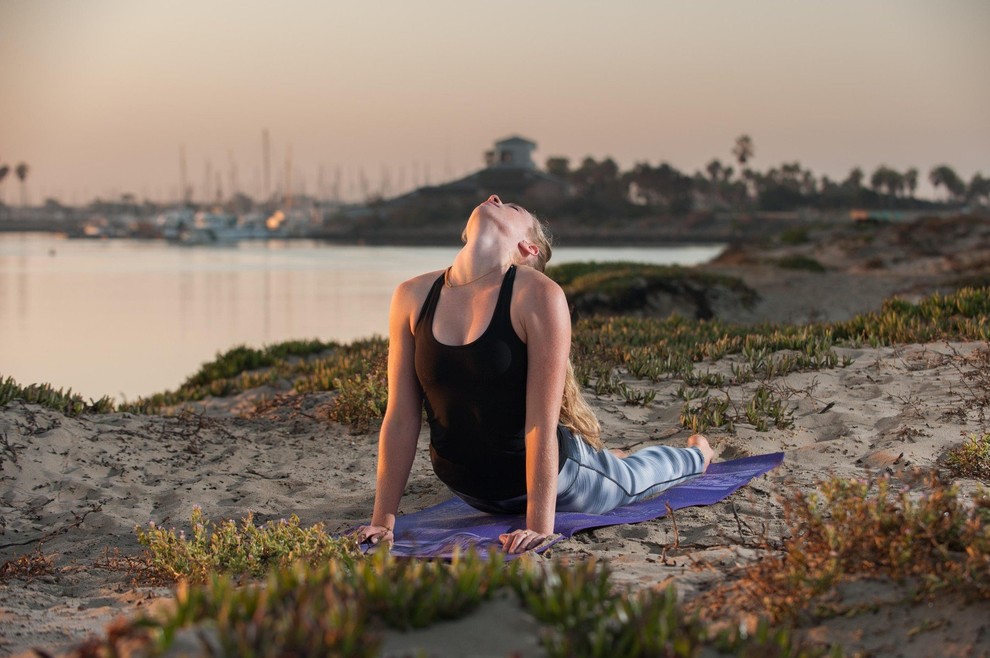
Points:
(130, 318)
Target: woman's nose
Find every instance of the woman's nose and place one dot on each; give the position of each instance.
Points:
(494, 198)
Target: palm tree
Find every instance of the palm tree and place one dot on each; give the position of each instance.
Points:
(887, 178)
(22, 171)
(714, 169)
(879, 178)
(979, 188)
(944, 175)
(957, 187)
(743, 150)
(855, 178)
(937, 176)
(911, 181)
(895, 183)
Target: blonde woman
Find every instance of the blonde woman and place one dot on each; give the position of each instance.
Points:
(485, 345)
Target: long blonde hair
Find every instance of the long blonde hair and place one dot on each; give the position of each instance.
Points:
(575, 413)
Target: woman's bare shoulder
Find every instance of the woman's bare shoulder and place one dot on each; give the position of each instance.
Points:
(425, 279)
(536, 283)
(415, 289)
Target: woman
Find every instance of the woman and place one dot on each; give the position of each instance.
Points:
(485, 345)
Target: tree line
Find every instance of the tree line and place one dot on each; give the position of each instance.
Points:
(21, 171)
(600, 186)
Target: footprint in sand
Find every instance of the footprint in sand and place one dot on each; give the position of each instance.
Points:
(640, 531)
(863, 386)
(825, 427)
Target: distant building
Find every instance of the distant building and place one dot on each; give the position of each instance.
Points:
(509, 171)
(512, 151)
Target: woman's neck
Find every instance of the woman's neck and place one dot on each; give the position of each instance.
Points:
(476, 259)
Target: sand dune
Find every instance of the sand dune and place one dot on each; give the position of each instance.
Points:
(74, 488)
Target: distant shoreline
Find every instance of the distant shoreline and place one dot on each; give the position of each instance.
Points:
(404, 239)
(700, 229)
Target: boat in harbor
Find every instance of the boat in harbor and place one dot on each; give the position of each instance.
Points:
(185, 227)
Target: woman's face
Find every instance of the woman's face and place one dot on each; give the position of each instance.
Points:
(509, 218)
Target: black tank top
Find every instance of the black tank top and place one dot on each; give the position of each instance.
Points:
(475, 399)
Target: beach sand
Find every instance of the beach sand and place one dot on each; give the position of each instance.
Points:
(74, 488)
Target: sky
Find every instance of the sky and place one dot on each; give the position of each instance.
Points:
(99, 97)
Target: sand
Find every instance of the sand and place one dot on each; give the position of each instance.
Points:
(73, 489)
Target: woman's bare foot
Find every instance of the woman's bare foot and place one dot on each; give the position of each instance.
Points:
(700, 442)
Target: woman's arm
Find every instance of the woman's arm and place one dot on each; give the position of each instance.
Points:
(547, 326)
(403, 418)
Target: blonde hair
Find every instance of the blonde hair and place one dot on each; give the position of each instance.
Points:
(575, 412)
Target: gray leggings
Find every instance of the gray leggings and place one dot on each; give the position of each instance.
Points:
(595, 482)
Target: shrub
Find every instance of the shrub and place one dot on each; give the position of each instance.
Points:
(798, 262)
(971, 459)
(245, 549)
(794, 236)
(336, 608)
(868, 528)
(66, 402)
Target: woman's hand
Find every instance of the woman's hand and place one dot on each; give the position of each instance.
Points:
(521, 540)
(374, 534)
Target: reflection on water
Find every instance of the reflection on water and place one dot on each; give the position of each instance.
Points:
(130, 318)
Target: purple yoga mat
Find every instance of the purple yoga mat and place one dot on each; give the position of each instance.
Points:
(438, 531)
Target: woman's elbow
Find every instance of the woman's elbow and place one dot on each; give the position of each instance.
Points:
(402, 420)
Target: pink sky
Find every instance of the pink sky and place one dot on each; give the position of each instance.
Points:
(97, 96)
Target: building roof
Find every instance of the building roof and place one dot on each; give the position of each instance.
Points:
(515, 139)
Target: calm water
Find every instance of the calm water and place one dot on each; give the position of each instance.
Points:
(130, 318)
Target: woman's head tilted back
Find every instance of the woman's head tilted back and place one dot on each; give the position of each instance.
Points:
(532, 238)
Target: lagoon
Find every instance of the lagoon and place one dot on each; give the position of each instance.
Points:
(129, 318)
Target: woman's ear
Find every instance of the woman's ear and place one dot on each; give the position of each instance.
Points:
(528, 249)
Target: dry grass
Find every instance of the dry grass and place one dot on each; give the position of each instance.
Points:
(919, 534)
(28, 566)
(971, 459)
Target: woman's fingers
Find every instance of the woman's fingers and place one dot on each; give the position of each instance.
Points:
(384, 537)
(518, 541)
(373, 534)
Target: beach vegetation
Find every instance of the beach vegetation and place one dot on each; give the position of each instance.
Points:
(975, 371)
(668, 349)
(625, 287)
(688, 393)
(918, 532)
(617, 277)
(46, 395)
(343, 607)
(972, 458)
(237, 548)
(308, 366)
(707, 378)
(606, 382)
(28, 566)
(707, 412)
(795, 236)
(765, 408)
(701, 411)
(605, 350)
(799, 262)
(635, 396)
(241, 359)
(361, 399)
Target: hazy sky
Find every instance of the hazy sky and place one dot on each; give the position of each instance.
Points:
(97, 95)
